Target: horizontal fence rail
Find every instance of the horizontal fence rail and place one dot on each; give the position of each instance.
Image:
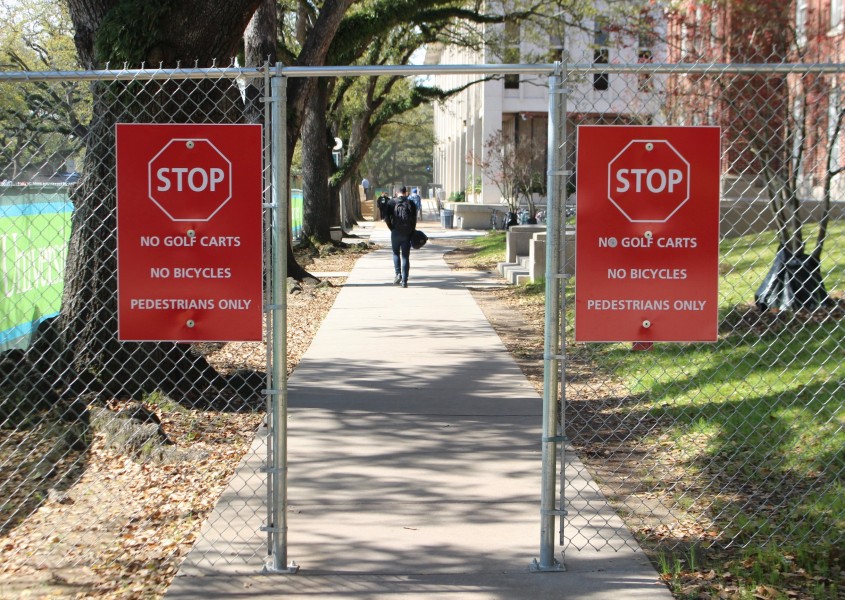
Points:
(420, 70)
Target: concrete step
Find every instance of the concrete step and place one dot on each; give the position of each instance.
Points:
(500, 267)
(513, 271)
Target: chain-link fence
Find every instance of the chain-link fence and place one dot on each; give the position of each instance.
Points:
(741, 442)
(113, 454)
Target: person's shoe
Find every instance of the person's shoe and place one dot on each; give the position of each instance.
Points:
(404, 284)
(397, 280)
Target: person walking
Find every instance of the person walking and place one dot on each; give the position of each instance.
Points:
(417, 200)
(401, 219)
(382, 203)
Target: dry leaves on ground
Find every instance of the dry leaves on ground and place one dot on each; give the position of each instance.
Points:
(122, 528)
(125, 526)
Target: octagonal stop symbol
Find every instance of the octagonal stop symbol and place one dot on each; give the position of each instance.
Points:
(648, 181)
(190, 179)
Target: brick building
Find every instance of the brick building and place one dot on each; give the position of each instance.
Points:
(773, 122)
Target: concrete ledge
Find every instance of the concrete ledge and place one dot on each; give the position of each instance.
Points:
(518, 239)
(537, 255)
(472, 216)
(739, 216)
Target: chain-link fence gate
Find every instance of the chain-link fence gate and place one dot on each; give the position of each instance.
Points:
(741, 442)
(113, 454)
(735, 443)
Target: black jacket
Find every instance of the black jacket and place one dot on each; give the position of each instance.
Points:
(390, 211)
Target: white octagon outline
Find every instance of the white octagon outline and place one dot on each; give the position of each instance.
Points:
(150, 178)
(610, 167)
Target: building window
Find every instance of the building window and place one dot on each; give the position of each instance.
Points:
(511, 54)
(601, 54)
(835, 13)
(645, 56)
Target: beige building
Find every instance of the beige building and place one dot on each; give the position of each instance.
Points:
(518, 104)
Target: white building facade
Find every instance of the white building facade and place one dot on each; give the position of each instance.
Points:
(518, 105)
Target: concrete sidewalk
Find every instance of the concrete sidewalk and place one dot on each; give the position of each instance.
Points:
(414, 463)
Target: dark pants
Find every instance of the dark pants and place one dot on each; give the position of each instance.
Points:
(401, 243)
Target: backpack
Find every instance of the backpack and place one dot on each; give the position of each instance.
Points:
(402, 217)
(418, 239)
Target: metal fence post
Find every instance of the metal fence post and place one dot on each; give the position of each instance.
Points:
(562, 180)
(278, 434)
(269, 222)
(550, 439)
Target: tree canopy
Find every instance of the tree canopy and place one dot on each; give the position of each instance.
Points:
(193, 33)
(43, 125)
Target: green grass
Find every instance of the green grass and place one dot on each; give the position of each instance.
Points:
(771, 405)
(759, 417)
(490, 248)
(746, 260)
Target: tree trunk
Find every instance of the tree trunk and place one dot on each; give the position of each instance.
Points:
(88, 317)
(351, 199)
(260, 35)
(795, 280)
(260, 47)
(317, 212)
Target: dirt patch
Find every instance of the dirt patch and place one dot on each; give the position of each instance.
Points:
(747, 319)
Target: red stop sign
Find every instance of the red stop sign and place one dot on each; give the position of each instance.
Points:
(647, 234)
(190, 179)
(648, 181)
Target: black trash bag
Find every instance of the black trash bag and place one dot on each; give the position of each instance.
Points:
(418, 239)
(794, 282)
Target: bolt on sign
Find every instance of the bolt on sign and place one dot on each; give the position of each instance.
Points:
(189, 232)
(647, 234)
